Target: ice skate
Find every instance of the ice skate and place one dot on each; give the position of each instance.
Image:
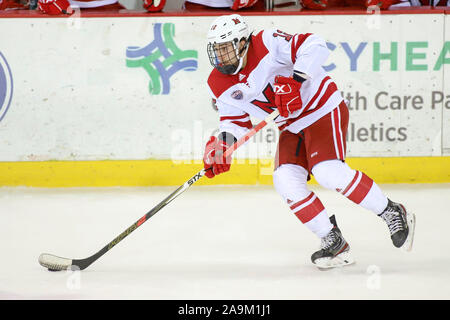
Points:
(334, 250)
(401, 225)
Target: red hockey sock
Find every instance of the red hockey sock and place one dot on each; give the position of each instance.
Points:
(364, 191)
(313, 215)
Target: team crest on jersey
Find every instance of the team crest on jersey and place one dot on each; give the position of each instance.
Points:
(6, 86)
(238, 95)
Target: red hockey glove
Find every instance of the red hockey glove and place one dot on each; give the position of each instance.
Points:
(287, 95)
(315, 4)
(214, 157)
(240, 4)
(154, 5)
(54, 7)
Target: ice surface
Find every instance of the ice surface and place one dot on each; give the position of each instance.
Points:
(224, 242)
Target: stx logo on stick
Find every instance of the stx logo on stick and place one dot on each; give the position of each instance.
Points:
(194, 178)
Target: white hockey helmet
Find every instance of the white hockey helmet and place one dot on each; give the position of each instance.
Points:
(224, 37)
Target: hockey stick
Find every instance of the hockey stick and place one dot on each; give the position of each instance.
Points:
(55, 263)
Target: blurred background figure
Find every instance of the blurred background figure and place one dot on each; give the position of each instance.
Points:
(392, 4)
(314, 4)
(232, 4)
(14, 4)
(58, 7)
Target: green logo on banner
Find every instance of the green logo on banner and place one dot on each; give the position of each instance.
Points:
(161, 58)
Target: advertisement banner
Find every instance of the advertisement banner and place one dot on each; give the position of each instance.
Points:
(135, 88)
(445, 97)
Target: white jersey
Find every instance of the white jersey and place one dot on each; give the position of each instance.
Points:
(250, 91)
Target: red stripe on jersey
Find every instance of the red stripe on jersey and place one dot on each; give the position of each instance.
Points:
(314, 98)
(295, 205)
(361, 190)
(332, 88)
(234, 117)
(256, 52)
(337, 133)
(247, 124)
(302, 115)
(297, 44)
(311, 211)
(308, 109)
(287, 123)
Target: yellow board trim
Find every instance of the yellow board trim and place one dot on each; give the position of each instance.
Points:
(167, 172)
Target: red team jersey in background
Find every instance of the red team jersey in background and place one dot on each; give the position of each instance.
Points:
(250, 92)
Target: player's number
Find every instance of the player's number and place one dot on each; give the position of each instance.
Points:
(282, 34)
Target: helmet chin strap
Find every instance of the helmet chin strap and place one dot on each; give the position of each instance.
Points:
(241, 59)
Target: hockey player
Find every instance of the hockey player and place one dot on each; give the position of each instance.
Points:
(232, 4)
(255, 74)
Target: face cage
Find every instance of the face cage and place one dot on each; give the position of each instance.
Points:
(226, 66)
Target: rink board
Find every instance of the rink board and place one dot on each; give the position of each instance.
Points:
(446, 108)
(106, 95)
(167, 173)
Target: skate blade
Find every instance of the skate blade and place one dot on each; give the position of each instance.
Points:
(341, 260)
(411, 220)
